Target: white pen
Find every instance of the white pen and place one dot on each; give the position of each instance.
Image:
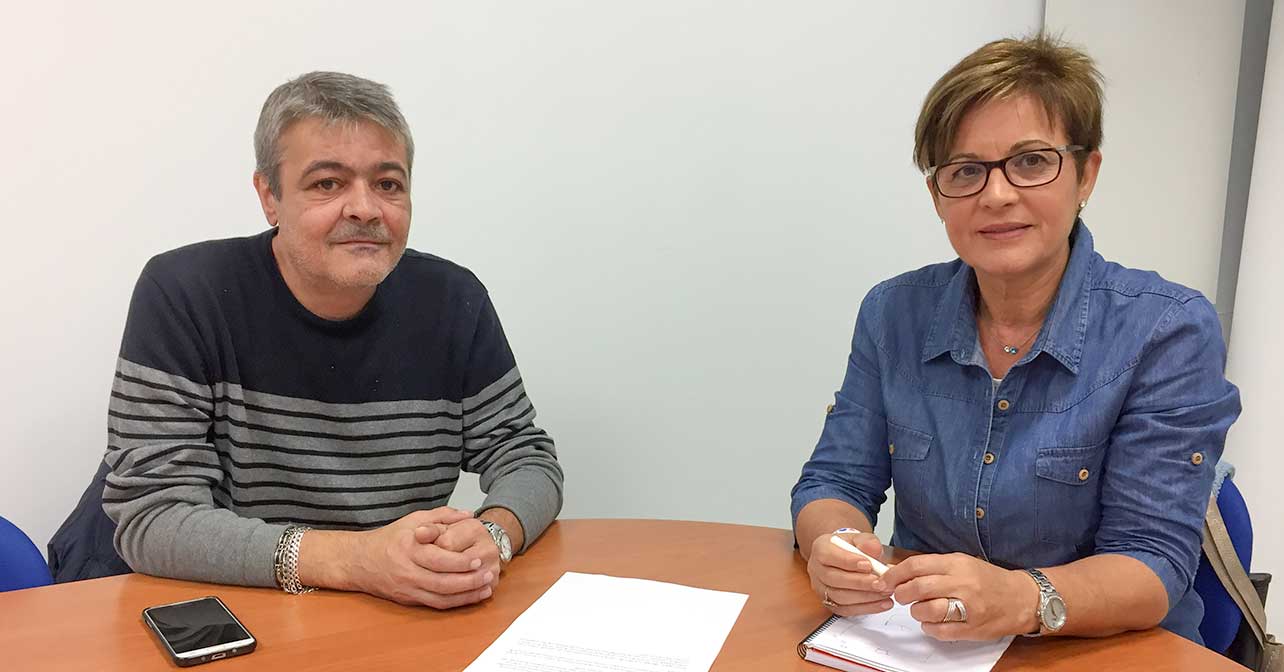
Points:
(878, 567)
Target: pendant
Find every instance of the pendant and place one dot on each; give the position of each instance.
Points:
(1010, 349)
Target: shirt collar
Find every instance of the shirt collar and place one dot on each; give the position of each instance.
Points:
(954, 323)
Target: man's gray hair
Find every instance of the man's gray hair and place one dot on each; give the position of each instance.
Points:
(333, 97)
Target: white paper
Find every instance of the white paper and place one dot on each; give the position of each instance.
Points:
(597, 623)
(894, 641)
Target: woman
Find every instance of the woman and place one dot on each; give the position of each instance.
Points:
(1050, 420)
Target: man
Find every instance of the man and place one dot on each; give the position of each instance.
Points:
(294, 408)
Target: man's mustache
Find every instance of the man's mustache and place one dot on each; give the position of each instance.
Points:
(351, 234)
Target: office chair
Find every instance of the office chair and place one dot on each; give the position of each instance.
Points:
(21, 565)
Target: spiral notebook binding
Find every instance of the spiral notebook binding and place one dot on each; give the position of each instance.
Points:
(805, 644)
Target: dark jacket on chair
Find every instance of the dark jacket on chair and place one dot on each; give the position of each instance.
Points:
(82, 548)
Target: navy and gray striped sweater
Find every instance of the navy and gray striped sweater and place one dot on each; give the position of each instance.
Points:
(236, 411)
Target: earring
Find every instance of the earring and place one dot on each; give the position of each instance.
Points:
(1083, 204)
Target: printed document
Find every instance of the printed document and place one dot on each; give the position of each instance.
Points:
(597, 623)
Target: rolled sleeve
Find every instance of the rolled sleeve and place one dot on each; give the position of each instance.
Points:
(1175, 582)
(849, 462)
(1169, 436)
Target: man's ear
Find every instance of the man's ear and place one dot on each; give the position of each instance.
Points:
(266, 199)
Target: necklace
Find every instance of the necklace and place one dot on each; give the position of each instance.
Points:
(1013, 349)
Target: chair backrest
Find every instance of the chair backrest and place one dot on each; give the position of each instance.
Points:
(1222, 616)
(21, 565)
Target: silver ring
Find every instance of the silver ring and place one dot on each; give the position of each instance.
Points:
(955, 611)
(828, 602)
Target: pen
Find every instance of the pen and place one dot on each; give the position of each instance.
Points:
(878, 567)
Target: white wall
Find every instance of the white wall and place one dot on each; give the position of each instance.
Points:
(676, 205)
(1256, 362)
(1171, 69)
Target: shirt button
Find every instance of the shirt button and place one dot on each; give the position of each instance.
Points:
(989, 458)
(1084, 474)
(891, 449)
(1197, 459)
(829, 409)
(980, 513)
(1004, 405)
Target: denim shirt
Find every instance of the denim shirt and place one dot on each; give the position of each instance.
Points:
(1102, 438)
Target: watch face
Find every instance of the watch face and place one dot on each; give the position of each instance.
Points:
(1054, 613)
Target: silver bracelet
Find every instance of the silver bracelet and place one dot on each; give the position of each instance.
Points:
(286, 561)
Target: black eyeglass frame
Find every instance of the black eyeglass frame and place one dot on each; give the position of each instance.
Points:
(1002, 165)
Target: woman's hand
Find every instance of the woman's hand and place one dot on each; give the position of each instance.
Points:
(999, 602)
(845, 579)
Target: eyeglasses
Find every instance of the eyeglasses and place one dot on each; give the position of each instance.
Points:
(1031, 168)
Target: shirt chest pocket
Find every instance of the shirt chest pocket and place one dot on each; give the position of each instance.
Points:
(1067, 504)
(913, 475)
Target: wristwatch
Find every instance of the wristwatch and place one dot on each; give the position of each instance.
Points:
(1052, 609)
(498, 534)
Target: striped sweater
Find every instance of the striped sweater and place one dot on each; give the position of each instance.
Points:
(235, 411)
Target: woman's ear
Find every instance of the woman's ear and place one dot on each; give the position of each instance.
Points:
(1088, 178)
(936, 198)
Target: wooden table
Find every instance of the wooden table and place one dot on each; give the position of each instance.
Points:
(96, 625)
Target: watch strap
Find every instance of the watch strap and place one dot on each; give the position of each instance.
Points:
(501, 539)
(1045, 586)
(1046, 592)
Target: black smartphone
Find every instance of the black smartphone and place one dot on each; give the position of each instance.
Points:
(199, 631)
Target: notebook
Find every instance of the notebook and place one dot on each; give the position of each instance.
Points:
(894, 642)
